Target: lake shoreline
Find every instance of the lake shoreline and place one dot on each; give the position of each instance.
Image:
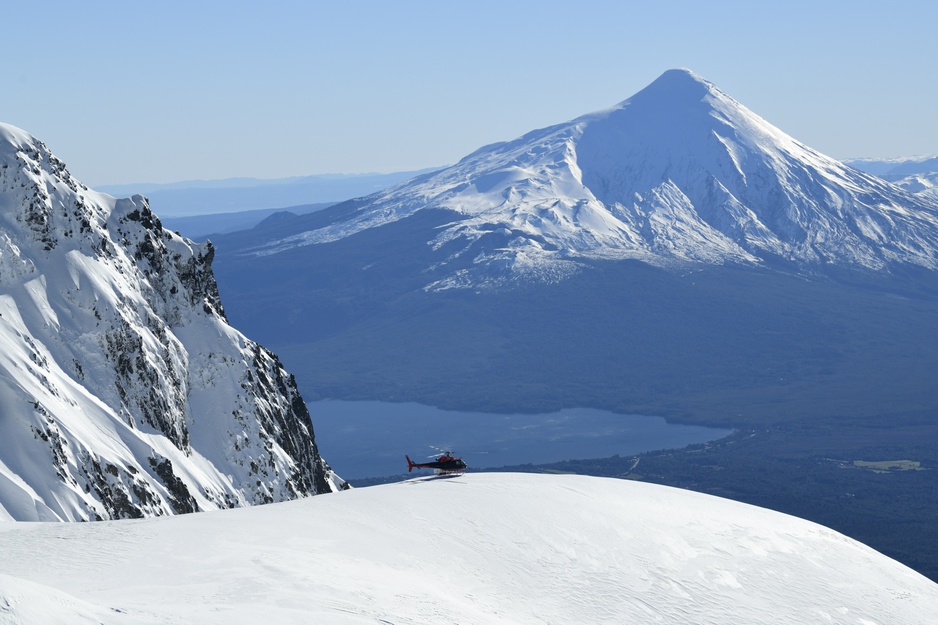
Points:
(369, 439)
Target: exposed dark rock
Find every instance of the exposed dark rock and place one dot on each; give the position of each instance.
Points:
(182, 501)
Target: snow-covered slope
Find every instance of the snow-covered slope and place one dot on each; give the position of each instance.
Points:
(678, 173)
(123, 390)
(482, 548)
(918, 183)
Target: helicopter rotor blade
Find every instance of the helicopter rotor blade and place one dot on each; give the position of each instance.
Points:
(439, 450)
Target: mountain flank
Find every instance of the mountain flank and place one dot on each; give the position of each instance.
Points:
(675, 253)
(124, 391)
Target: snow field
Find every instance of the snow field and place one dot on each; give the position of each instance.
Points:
(480, 548)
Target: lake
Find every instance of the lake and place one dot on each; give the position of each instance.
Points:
(362, 439)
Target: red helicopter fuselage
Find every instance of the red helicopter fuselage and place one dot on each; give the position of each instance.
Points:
(443, 464)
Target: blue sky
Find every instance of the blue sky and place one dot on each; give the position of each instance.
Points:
(166, 91)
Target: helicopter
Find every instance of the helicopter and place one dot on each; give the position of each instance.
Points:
(445, 464)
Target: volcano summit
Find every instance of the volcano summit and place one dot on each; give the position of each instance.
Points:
(678, 174)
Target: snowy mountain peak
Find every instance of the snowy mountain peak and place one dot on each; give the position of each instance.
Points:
(12, 138)
(125, 392)
(678, 173)
(675, 85)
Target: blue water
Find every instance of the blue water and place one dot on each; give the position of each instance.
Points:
(370, 438)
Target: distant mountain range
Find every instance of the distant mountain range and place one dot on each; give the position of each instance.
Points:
(199, 208)
(235, 195)
(917, 175)
(891, 167)
(201, 227)
(123, 390)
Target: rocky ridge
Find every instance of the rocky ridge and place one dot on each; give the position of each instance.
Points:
(124, 390)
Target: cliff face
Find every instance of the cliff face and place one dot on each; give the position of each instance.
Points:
(124, 391)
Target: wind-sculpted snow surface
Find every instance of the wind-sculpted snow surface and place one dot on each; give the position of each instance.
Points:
(123, 391)
(480, 549)
(679, 173)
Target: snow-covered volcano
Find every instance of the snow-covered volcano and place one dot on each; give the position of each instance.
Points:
(482, 548)
(680, 172)
(123, 390)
